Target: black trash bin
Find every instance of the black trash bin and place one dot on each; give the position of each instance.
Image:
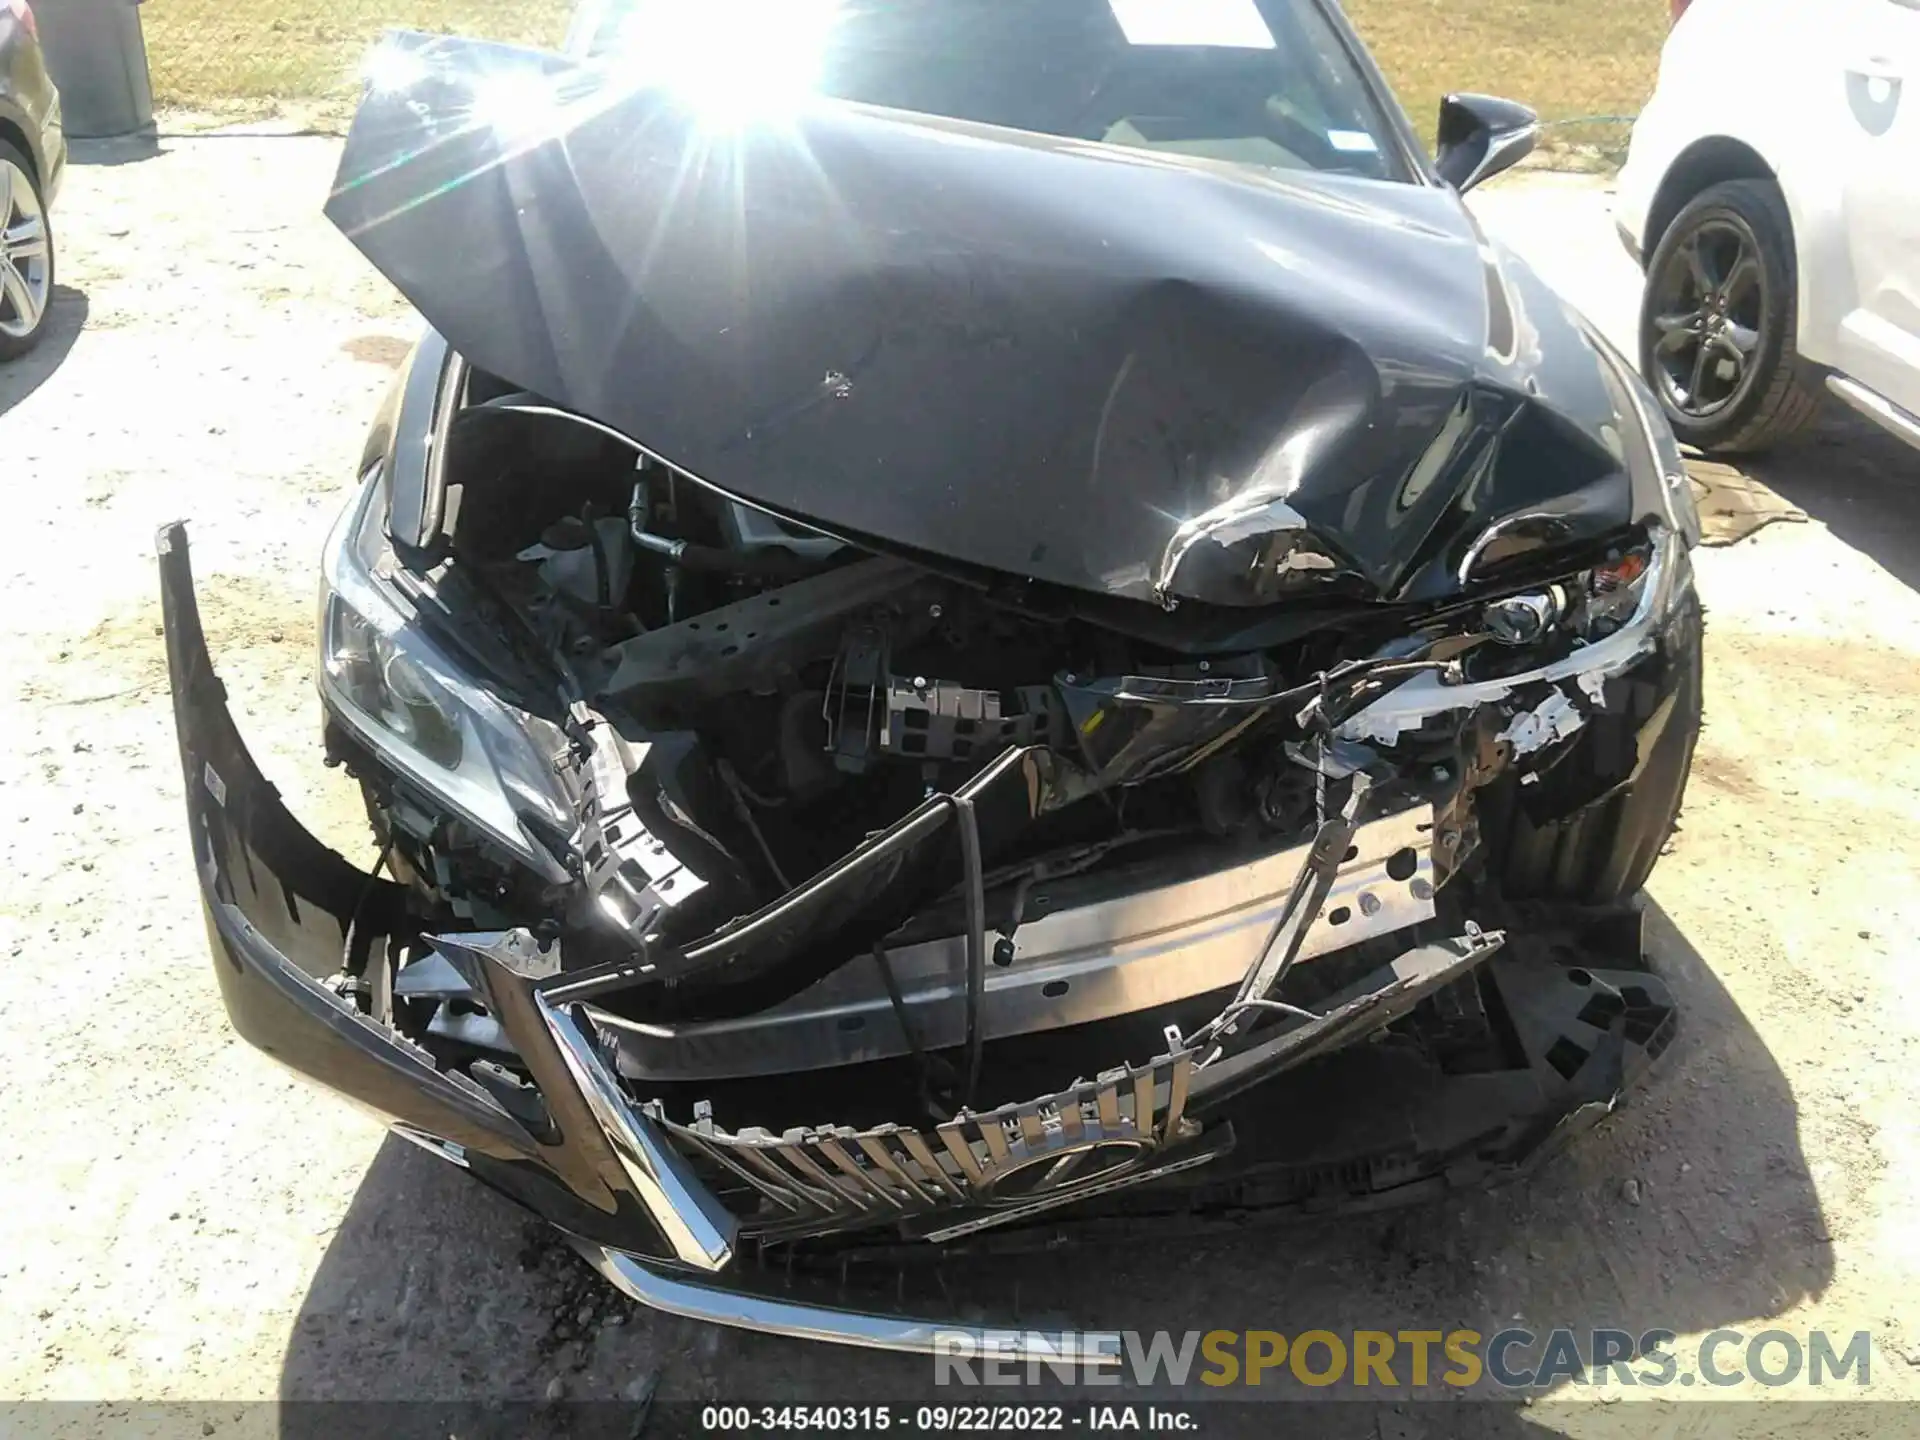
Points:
(98, 57)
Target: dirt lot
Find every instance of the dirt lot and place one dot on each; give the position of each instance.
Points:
(182, 1220)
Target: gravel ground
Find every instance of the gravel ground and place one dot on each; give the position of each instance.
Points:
(182, 1220)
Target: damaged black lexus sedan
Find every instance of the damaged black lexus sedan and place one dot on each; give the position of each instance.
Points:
(971, 619)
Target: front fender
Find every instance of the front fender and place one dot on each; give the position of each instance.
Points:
(400, 442)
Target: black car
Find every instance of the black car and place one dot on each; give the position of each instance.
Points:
(970, 620)
(33, 160)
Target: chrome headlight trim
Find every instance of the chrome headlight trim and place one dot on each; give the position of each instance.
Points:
(1668, 579)
(503, 758)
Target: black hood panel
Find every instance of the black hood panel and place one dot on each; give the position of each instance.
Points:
(1091, 367)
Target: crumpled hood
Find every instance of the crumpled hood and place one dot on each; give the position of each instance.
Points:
(1098, 368)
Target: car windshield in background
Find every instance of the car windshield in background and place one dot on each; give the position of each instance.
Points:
(1267, 83)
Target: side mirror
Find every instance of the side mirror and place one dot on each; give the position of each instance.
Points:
(1480, 136)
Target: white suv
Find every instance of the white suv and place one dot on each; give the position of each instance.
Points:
(1772, 195)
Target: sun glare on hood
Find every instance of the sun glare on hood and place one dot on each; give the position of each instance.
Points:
(735, 60)
(391, 69)
(517, 102)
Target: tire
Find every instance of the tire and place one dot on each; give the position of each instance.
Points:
(1752, 331)
(1635, 761)
(35, 273)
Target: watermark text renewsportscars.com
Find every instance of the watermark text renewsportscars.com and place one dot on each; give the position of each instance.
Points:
(1510, 1359)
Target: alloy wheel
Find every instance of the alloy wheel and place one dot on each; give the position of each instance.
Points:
(1710, 312)
(26, 268)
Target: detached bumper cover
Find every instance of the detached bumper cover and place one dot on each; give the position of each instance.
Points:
(664, 1207)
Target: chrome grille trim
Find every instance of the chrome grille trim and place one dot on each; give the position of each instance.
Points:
(831, 1177)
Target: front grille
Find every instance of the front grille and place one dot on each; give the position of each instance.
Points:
(1093, 1136)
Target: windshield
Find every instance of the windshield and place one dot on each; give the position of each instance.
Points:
(1254, 82)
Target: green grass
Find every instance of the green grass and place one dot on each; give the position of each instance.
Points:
(208, 54)
(1567, 58)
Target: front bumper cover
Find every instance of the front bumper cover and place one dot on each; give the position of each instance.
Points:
(635, 1190)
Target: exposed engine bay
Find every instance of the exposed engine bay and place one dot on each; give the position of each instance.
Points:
(789, 758)
(934, 702)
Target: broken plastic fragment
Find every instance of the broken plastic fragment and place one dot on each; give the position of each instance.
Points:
(1553, 720)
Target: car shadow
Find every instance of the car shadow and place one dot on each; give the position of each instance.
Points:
(115, 149)
(433, 1288)
(66, 318)
(1858, 481)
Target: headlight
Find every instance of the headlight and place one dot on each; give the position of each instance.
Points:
(385, 685)
(1611, 594)
(1623, 605)
(489, 762)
